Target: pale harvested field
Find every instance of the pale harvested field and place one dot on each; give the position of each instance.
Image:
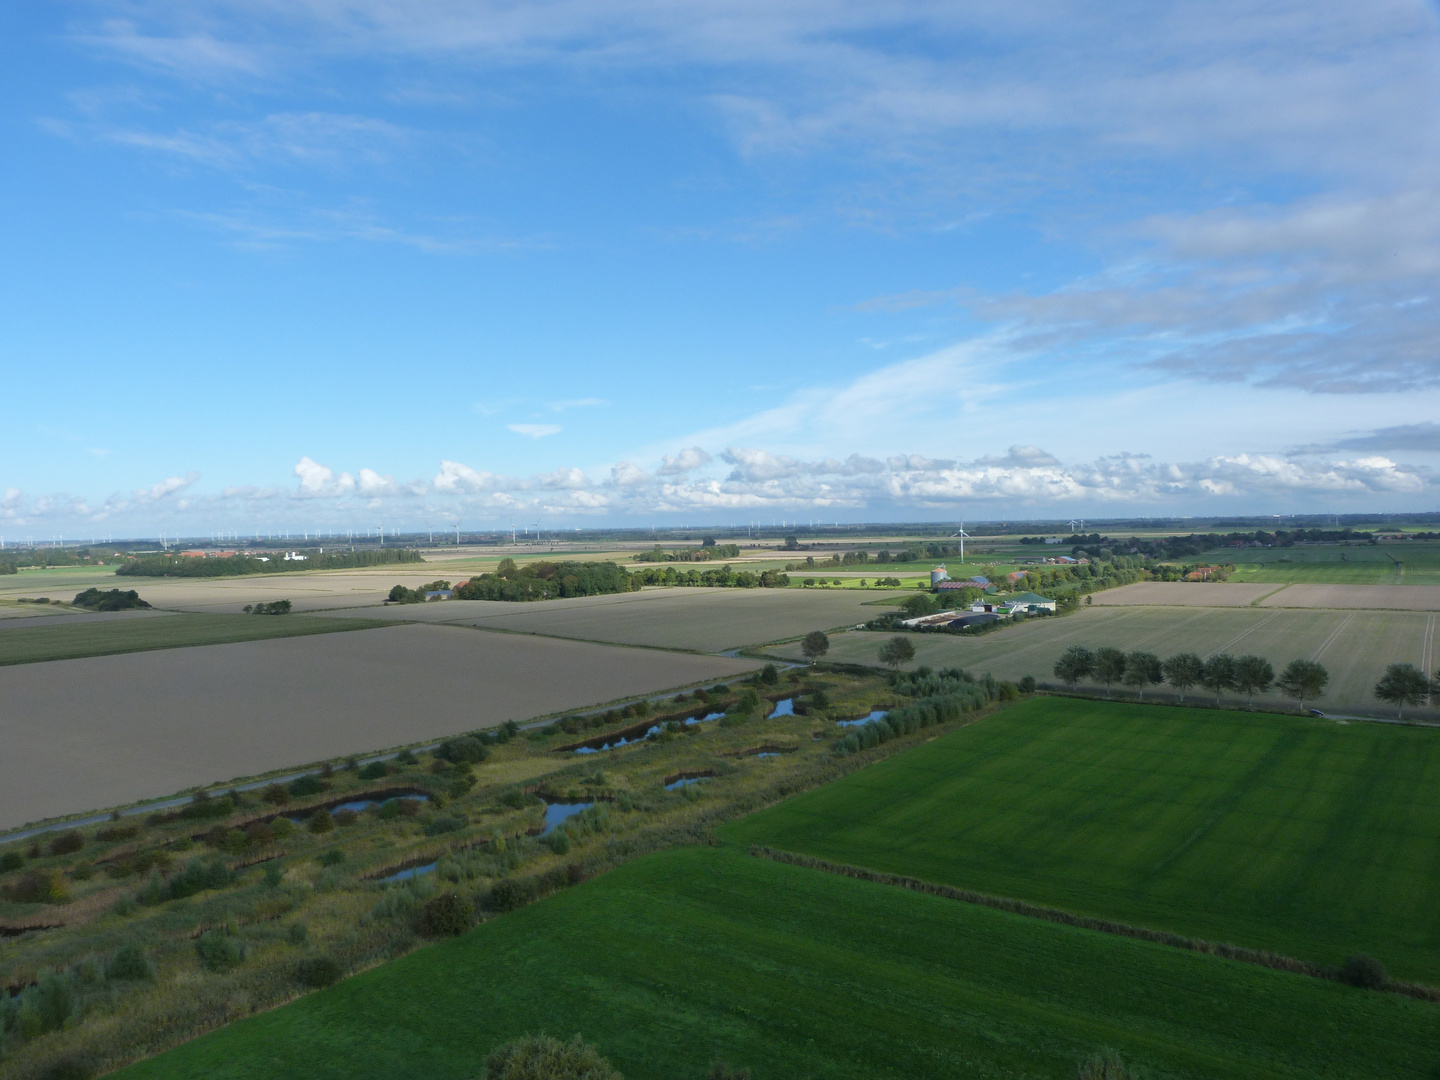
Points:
(87, 734)
(1355, 646)
(703, 620)
(1358, 597)
(1184, 594)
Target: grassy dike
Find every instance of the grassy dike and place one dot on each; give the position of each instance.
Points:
(702, 953)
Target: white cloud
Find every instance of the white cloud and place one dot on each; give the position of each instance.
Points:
(168, 486)
(372, 484)
(627, 474)
(683, 462)
(455, 477)
(577, 403)
(318, 480)
(534, 431)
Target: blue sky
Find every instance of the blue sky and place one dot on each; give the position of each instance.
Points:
(328, 264)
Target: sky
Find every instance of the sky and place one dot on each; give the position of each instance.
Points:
(330, 265)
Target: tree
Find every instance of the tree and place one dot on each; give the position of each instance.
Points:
(1109, 666)
(1142, 669)
(1303, 679)
(815, 645)
(1401, 685)
(1075, 663)
(1218, 674)
(918, 605)
(897, 651)
(1182, 671)
(1253, 675)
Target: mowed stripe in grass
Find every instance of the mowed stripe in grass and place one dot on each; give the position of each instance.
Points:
(696, 954)
(27, 645)
(1294, 835)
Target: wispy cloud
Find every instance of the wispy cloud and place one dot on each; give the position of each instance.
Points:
(534, 431)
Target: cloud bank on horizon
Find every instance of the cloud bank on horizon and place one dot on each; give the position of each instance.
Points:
(632, 264)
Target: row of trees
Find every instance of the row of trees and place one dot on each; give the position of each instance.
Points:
(548, 580)
(234, 565)
(1303, 680)
(706, 553)
(1406, 684)
(720, 577)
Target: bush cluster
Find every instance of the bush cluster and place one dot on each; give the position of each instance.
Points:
(943, 697)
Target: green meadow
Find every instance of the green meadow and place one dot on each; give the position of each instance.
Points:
(697, 954)
(1296, 835)
(31, 644)
(1412, 562)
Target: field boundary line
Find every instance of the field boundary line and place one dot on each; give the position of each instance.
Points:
(1427, 650)
(1257, 957)
(1272, 592)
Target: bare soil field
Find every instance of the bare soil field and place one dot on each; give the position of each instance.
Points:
(1357, 597)
(1355, 646)
(86, 734)
(703, 620)
(1184, 594)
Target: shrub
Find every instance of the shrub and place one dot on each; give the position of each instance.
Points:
(445, 916)
(282, 827)
(321, 822)
(376, 770)
(466, 750)
(406, 757)
(539, 1057)
(67, 843)
(1365, 972)
(507, 895)
(130, 962)
(38, 887)
(1027, 684)
(297, 933)
(273, 875)
(333, 857)
(303, 786)
(275, 794)
(111, 833)
(559, 842)
(515, 799)
(69, 1067)
(318, 971)
(445, 823)
(218, 951)
(1106, 1065)
(11, 860)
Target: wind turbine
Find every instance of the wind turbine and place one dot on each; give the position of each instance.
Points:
(512, 533)
(536, 526)
(962, 534)
(1072, 523)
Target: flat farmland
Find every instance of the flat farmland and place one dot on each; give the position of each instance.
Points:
(1357, 597)
(1356, 646)
(67, 637)
(85, 734)
(1291, 834)
(1183, 594)
(697, 619)
(1415, 562)
(696, 954)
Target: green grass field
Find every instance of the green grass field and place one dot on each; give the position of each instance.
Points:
(1295, 835)
(696, 954)
(30, 644)
(1414, 562)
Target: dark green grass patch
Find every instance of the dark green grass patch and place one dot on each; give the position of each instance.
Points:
(26, 645)
(694, 955)
(1292, 835)
(1412, 562)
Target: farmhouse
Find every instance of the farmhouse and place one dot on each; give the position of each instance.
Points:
(973, 620)
(1029, 601)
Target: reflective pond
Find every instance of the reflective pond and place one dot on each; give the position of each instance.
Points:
(876, 715)
(654, 730)
(558, 811)
(409, 872)
(783, 707)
